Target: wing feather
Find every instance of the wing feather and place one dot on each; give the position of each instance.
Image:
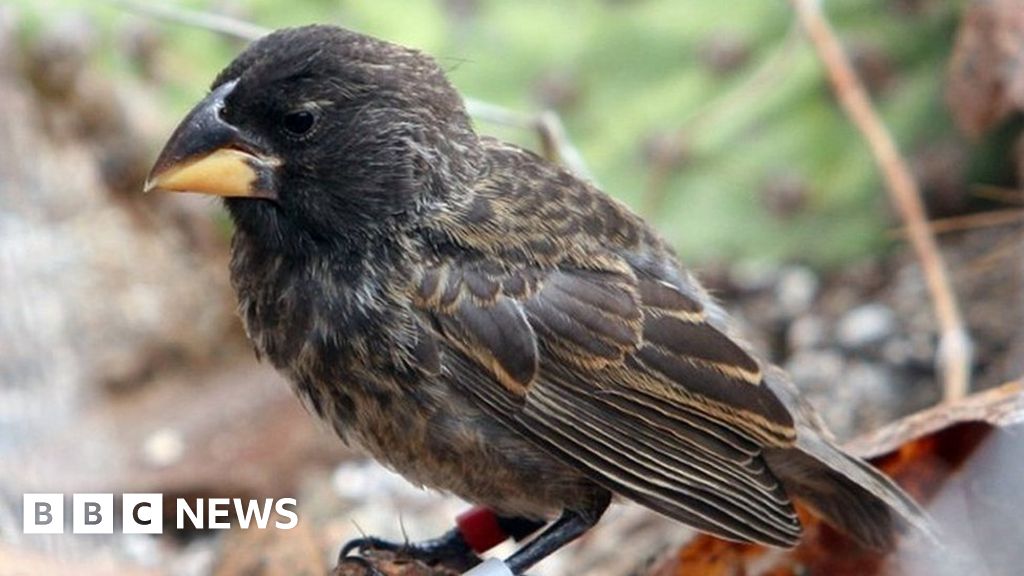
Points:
(695, 490)
(624, 378)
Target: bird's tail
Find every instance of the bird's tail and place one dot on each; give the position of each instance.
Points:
(846, 492)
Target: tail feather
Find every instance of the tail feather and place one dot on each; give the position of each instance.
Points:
(846, 492)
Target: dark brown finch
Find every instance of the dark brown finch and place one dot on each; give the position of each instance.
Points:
(484, 322)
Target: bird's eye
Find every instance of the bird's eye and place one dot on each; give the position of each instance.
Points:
(299, 122)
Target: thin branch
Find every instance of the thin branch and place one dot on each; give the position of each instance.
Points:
(1006, 249)
(554, 139)
(998, 193)
(224, 25)
(955, 349)
(972, 221)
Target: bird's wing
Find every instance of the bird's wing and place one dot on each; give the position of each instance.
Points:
(622, 376)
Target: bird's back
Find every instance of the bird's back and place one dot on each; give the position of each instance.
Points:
(638, 378)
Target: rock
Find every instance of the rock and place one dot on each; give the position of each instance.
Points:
(56, 59)
(815, 370)
(870, 391)
(898, 352)
(851, 396)
(806, 332)
(865, 326)
(795, 291)
(753, 275)
(819, 374)
(163, 447)
(96, 289)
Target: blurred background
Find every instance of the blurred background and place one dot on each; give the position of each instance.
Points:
(124, 369)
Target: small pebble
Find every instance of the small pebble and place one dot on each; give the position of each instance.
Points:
(806, 332)
(753, 275)
(871, 386)
(163, 447)
(795, 291)
(866, 325)
(898, 352)
(815, 370)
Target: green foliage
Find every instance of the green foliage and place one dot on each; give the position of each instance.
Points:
(640, 69)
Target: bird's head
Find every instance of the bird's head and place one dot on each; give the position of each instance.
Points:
(322, 135)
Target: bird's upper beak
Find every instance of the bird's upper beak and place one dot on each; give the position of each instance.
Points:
(209, 156)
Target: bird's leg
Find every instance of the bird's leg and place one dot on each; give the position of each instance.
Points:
(477, 531)
(569, 526)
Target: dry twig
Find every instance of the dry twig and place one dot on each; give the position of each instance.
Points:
(554, 141)
(955, 349)
(998, 193)
(972, 221)
(1006, 249)
(214, 22)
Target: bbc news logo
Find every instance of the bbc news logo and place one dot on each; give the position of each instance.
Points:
(144, 513)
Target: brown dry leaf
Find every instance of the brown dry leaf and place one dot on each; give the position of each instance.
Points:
(985, 82)
(715, 557)
(963, 462)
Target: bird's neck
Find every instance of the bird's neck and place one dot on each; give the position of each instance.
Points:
(288, 301)
(344, 261)
(267, 233)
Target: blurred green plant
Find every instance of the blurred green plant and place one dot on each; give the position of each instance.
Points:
(710, 117)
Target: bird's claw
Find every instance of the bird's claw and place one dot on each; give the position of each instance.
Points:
(444, 551)
(368, 543)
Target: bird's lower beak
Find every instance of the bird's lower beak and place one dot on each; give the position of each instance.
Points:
(209, 156)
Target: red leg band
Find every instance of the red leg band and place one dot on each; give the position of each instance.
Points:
(479, 528)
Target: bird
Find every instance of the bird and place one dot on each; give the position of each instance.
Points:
(487, 324)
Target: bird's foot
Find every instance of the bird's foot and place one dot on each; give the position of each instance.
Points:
(449, 551)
